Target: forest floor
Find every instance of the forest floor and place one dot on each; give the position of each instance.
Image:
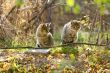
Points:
(58, 60)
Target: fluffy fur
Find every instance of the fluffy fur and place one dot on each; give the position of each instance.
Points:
(43, 36)
(69, 33)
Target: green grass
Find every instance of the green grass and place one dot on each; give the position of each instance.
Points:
(57, 38)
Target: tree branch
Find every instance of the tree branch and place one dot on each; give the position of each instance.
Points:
(42, 11)
(72, 45)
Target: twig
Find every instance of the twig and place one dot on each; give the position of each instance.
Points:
(10, 11)
(107, 39)
(93, 24)
(72, 45)
(99, 30)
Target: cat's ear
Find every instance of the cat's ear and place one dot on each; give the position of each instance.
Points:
(74, 21)
(48, 24)
(44, 25)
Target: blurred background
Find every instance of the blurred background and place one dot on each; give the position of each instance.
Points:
(19, 20)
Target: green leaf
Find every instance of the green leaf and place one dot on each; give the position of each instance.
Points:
(102, 9)
(76, 9)
(19, 3)
(72, 56)
(104, 1)
(70, 2)
(98, 2)
(67, 8)
(61, 1)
